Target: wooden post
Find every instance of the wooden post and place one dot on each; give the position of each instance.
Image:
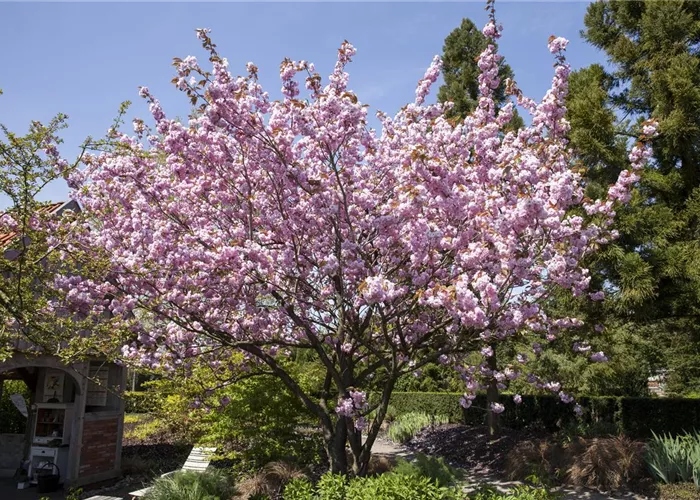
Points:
(76, 436)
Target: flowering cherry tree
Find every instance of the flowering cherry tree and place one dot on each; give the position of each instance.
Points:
(267, 227)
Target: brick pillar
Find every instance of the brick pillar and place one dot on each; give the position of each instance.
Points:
(99, 451)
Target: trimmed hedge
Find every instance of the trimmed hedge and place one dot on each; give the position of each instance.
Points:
(139, 402)
(634, 417)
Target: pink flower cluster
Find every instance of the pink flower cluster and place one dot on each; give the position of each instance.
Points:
(264, 224)
(353, 406)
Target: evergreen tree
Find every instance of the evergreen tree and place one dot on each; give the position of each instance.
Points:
(653, 270)
(460, 71)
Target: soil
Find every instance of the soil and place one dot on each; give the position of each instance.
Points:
(471, 447)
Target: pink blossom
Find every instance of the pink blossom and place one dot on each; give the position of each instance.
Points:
(262, 224)
(497, 407)
(599, 357)
(487, 351)
(558, 44)
(581, 347)
(650, 129)
(553, 386)
(431, 75)
(491, 30)
(202, 33)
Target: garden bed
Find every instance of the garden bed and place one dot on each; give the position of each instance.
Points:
(471, 447)
(553, 458)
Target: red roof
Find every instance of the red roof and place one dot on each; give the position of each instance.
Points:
(49, 208)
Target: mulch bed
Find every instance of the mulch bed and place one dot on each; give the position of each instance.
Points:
(471, 447)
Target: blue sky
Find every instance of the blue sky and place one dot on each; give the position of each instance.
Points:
(83, 59)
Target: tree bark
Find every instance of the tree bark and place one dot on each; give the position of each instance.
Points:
(492, 397)
(335, 447)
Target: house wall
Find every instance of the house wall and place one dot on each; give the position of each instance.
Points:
(69, 388)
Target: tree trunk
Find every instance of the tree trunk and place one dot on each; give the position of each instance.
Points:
(335, 447)
(366, 449)
(492, 397)
(354, 460)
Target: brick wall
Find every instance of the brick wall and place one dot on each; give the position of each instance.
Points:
(99, 450)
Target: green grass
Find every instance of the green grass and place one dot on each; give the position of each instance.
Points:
(134, 418)
(141, 426)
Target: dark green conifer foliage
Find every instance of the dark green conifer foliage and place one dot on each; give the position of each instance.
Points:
(653, 269)
(460, 72)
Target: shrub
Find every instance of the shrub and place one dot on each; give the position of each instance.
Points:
(518, 493)
(396, 487)
(139, 402)
(674, 459)
(11, 420)
(187, 485)
(299, 489)
(432, 403)
(576, 429)
(433, 468)
(142, 427)
(332, 487)
(385, 487)
(409, 424)
(261, 424)
(252, 422)
(545, 459)
(379, 464)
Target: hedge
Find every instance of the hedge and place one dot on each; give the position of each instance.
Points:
(635, 417)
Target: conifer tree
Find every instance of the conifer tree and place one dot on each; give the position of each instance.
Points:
(653, 270)
(460, 72)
